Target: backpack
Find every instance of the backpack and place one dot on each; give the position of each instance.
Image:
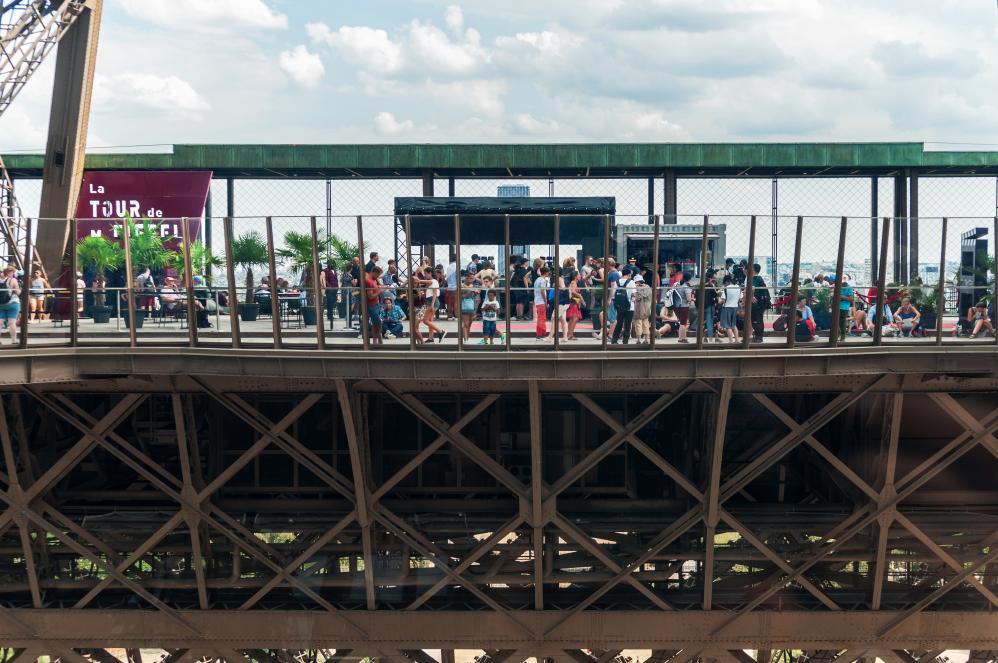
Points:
(4, 293)
(620, 299)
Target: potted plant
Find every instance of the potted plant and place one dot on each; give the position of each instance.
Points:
(821, 307)
(147, 248)
(102, 256)
(297, 255)
(248, 251)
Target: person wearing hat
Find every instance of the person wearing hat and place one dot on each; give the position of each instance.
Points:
(642, 311)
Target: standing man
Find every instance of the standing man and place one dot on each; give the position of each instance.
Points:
(846, 299)
(450, 294)
(372, 262)
(761, 301)
(541, 284)
(623, 302)
(332, 289)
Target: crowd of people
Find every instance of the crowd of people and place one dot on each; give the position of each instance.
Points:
(623, 301)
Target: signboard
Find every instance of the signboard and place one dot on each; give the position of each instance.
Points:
(158, 197)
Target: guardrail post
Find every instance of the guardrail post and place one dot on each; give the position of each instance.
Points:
(26, 285)
(365, 333)
(74, 287)
(747, 330)
(833, 338)
(941, 299)
(411, 291)
(230, 276)
(192, 333)
(878, 324)
(555, 316)
(702, 292)
(318, 294)
(654, 260)
(605, 318)
(795, 286)
(509, 305)
(457, 280)
(129, 284)
(275, 304)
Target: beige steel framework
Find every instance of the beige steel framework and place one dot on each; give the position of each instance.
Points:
(265, 518)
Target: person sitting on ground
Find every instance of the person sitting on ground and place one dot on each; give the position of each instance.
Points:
(803, 320)
(979, 319)
(908, 318)
(667, 323)
(392, 317)
(865, 322)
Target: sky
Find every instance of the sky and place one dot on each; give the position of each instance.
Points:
(311, 71)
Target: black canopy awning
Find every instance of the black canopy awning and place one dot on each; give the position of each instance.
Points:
(531, 219)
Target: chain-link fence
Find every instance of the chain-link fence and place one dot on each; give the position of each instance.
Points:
(959, 209)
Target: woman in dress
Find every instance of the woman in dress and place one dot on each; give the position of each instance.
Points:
(574, 313)
(36, 296)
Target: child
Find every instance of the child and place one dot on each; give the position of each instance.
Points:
(490, 313)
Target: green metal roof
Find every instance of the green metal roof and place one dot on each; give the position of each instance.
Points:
(562, 159)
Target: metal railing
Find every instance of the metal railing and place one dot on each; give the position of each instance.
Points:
(285, 296)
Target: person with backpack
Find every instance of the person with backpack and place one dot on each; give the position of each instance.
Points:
(761, 302)
(642, 311)
(10, 300)
(623, 304)
(682, 295)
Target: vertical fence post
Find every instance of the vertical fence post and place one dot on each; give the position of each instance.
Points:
(509, 304)
(275, 304)
(318, 292)
(74, 288)
(833, 338)
(26, 285)
(129, 283)
(605, 322)
(878, 324)
(365, 334)
(702, 292)
(411, 294)
(230, 277)
(654, 268)
(747, 331)
(556, 277)
(941, 299)
(795, 286)
(457, 280)
(994, 235)
(192, 327)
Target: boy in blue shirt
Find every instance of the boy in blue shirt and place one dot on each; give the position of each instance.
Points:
(391, 319)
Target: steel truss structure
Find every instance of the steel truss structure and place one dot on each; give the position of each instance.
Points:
(29, 30)
(276, 519)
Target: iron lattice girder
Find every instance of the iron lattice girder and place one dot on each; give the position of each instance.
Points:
(393, 631)
(481, 559)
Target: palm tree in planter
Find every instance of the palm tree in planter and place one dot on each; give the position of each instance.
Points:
(203, 260)
(102, 256)
(249, 251)
(297, 256)
(148, 250)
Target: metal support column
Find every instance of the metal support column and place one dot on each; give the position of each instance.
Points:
(65, 148)
(775, 224)
(651, 196)
(900, 228)
(669, 191)
(874, 213)
(430, 249)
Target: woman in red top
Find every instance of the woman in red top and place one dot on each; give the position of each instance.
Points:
(372, 293)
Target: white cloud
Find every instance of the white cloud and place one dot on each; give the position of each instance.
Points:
(436, 53)
(454, 18)
(304, 67)
(480, 96)
(165, 94)
(368, 48)
(386, 124)
(207, 14)
(529, 124)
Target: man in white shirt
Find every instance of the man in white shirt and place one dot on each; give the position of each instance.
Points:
(541, 285)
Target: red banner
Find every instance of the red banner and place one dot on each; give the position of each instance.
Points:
(160, 197)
